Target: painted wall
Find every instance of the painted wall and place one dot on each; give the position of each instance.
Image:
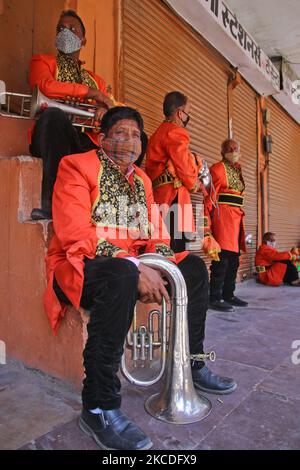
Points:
(100, 18)
(28, 27)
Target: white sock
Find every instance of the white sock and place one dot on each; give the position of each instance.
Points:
(96, 411)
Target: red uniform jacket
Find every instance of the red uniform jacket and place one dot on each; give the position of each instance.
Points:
(226, 220)
(81, 184)
(43, 73)
(171, 143)
(266, 256)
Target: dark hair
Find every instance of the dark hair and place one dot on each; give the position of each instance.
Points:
(226, 145)
(113, 115)
(173, 101)
(267, 235)
(74, 15)
(144, 142)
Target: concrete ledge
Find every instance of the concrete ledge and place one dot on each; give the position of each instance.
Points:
(24, 327)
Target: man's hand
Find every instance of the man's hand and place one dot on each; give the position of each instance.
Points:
(99, 114)
(197, 187)
(211, 247)
(100, 98)
(151, 286)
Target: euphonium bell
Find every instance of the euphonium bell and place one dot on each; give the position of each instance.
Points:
(178, 402)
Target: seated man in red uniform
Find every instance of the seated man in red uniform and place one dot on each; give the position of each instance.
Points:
(63, 77)
(226, 223)
(174, 171)
(92, 262)
(275, 267)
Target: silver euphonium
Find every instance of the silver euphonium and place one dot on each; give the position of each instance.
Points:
(22, 106)
(178, 402)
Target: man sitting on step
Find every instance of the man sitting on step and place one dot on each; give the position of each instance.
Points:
(275, 267)
(104, 216)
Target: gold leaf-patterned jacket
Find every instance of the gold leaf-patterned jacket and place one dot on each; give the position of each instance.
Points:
(97, 211)
(226, 221)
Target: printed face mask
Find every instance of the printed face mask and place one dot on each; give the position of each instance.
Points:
(272, 244)
(67, 42)
(127, 151)
(232, 157)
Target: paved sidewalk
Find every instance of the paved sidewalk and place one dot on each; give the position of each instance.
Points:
(253, 345)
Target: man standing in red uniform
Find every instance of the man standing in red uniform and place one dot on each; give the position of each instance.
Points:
(225, 220)
(174, 172)
(274, 267)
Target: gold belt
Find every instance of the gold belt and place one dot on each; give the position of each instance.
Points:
(166, 178)
(260, 269)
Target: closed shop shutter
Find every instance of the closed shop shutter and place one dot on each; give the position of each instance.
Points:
(284, 178)
(245, 131)
(160, 53)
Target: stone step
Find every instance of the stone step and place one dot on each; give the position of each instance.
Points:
(25, 328)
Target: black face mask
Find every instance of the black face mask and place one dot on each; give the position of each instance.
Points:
(185, 123)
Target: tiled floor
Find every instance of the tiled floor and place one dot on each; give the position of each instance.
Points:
(253, 345)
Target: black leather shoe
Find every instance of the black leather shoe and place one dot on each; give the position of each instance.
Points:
(208, 382)
(112, 430)
(221, 306)
(40, 214)
(236, 302)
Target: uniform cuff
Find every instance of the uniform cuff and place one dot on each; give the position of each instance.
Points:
(133, 260)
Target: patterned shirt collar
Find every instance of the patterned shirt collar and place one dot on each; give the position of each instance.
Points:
(71, 70)
(233, 165)
(130, 169)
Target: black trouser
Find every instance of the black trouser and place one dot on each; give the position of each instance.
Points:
(223, 275)
(291, 273)
(178, 239)
(110, 293)
(53, 138)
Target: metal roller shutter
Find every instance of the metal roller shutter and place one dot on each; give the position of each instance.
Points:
(160, 53)
(245, 130)
(284, 178)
